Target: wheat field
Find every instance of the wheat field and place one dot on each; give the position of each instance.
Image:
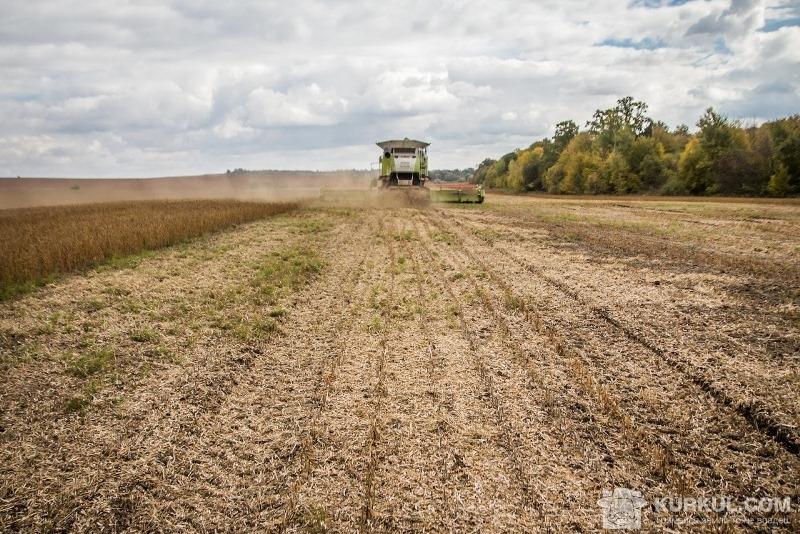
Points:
(40, 242)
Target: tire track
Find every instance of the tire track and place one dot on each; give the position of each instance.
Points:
(337, 346)
(379, 394)
(240, 464)
(434, 377)
(509, 436)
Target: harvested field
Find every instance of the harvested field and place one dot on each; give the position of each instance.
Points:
(488, 368)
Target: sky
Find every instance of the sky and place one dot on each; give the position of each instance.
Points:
(108, 88)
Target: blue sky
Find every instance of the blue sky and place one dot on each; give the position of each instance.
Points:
(113, 88)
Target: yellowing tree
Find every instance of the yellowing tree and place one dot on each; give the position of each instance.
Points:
(525, 169)
(694, 168)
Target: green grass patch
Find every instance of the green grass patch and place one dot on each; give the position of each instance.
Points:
(18, 289)
(259, 328)
(313, 226)
(93, 305)
(116, 291)
(375, 326)
(487, 235)
(79, 403)
(377, 297)
(286, 270)
(399, 265)
(443, 237)
(144, 335)
(91, 362)
(125, 261)
(513, 302)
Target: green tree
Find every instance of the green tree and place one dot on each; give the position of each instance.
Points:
(693, 168)
(533, 170)
(576, 167)
(565, 132)
(682, 129)
(524, 172)
(779, 182)
(786, 138)
(479, 176)
(717, 134)
(627, 118)
(620, 176)
(729, 165)
(645, 158)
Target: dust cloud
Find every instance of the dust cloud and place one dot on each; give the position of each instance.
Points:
(262, 186)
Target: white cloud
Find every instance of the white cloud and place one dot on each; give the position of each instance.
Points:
(113, 88)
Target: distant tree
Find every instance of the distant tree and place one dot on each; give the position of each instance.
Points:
(514, 178)
(576, 167)
(763, 147)
(615, 176)
(653, 126)
(716, 133)
(533, 170)
(634, 114)
(786, 139)
(693, 168)
(628, 116)
(479, 176)
(524, 172)
(565, 132)
(681, 129)
(779, 182)
(625, 151)
(736, 172)
(645, 158)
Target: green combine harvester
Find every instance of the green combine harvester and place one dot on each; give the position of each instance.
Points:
(404, 164)
(403, 181)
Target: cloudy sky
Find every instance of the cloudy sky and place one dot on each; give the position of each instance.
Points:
(147, 88)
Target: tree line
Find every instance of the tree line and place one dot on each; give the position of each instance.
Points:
(622, 150)
(451, 175)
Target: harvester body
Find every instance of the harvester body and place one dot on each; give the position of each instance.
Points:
(404, 163)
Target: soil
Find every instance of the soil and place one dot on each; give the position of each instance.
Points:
(488, 368)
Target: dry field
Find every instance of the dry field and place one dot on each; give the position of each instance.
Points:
(486, 368)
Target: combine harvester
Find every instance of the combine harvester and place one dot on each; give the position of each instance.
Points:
(404, 180)
(404, 165)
